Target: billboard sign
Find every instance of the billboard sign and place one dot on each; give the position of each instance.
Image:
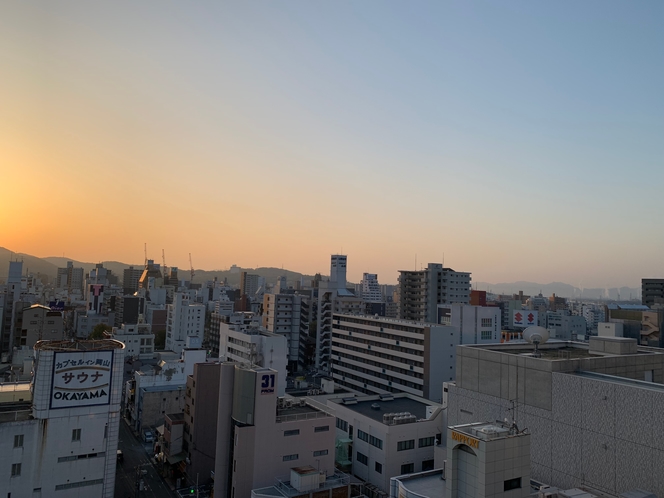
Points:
(524, 318)
(81, 379)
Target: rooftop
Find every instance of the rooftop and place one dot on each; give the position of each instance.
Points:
(79, 345)
(425, 484)
(374, 407)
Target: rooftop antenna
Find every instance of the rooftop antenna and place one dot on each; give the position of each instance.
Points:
(191, 271)
(163, 260)
(145, 252)
(415, 261)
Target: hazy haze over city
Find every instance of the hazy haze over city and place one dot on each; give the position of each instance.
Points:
(521, 140)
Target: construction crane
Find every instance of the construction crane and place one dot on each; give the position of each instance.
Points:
(191, 271)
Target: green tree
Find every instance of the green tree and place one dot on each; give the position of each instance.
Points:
(98, 332)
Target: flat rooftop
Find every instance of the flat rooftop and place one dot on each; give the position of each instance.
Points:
(367, 407)
(430, 483)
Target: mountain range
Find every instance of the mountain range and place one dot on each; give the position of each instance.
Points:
(49, 267)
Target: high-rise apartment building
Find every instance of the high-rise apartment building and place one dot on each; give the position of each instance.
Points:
(289, 315)
(333, 297)
(420, 292)
(375, 355)
(370, 288)
(248, 284)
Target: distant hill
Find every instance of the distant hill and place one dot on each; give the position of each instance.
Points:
(561, 289)
(115, 266)
(31, 263)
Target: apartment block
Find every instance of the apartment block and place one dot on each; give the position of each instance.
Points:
(185, 319)
(420, 292)
(375, 355)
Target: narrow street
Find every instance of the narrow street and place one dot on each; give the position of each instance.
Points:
(137, 463)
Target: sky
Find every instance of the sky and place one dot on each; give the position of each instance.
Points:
(517, 140)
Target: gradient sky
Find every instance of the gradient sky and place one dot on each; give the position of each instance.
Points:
(522, 140)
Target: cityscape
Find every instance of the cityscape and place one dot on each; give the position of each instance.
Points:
(343, 249)
(152, 382)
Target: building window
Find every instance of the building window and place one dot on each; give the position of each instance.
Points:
(406, 445)
(294, 432)
(320, 453)
(408, 468)
(374, 441)
(487, 322)
(342, 424)
(322, 428)
(426, 441)
(76, 435)
(18, 441)
(288, 458)
(427, 465)
(512, 484)
(379, 467)
(16, 469)
(363, 436)
(363, 459)
(486, 335)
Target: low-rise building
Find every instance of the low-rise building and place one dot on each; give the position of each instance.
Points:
(379, 437)
(137, 338)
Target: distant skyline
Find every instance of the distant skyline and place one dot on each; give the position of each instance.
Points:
(522, 140)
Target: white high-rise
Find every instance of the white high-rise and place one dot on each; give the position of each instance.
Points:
(185, 319)
(370, 288)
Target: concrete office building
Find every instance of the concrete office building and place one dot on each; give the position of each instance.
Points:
(288, 315)
(137, 338)
(333, 297)
(420, 292)
(562, 325)
(200, 421)
(130, 278)
(594, 410)
(70, 278)
(154, 392)
(389, 434)
(487, 459)
(249, 284)
(381, 355)
(185, 319)
(86, 322)
(255, 347)
(61, 438)
(475, 324)
(260, 438)
(40, 323)
(652, 291)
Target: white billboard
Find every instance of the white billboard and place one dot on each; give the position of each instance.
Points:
(524, 318)
(81, 379)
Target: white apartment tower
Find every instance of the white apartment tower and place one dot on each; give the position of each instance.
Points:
(288, 315)
(370, 288)
(185, 319)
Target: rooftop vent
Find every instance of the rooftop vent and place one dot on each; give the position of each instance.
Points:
(386, 397)
(375, 406)
(349, 401)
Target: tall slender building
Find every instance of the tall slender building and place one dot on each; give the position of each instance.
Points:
(420, 292)
(333, 297)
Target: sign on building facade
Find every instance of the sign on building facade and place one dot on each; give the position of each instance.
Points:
(81, 379)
